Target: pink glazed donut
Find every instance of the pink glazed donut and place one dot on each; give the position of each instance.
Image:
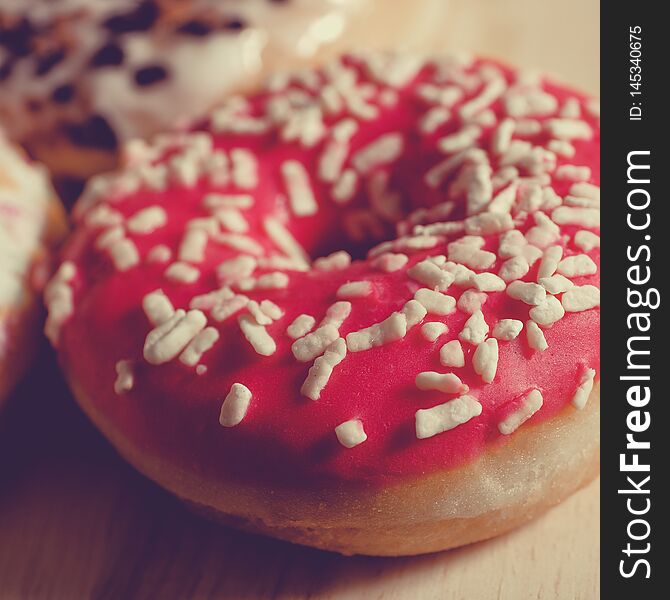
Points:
(358, 310)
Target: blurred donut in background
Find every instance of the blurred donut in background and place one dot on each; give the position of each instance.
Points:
(81, 77)
(32, 222)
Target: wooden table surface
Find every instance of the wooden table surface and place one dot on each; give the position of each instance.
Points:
(77, 522)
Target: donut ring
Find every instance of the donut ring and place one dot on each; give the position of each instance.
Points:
(32, 223)
(439, 391)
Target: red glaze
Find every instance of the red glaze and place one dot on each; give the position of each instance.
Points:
(173, 413)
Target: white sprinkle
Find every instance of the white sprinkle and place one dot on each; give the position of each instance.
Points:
(488, 282)
(351, 433)
(228, 307)
(487, 223)
(103, 216)
(430, 274)
(354, 289)
(345, 187)
(584, 388)
(389, 262)
(550, 261)
(485, 359)
(157, 307)
(586, 240)
(301, 326)
(530, 197)
(336, 314)
(232, 220)
(434, 119)
(433, 330)
(507, 329)
(491, 92)
(545, 232)
(556, 284)
(167, 340)
(562, 148)
(124, 377)
(572, 173)
(159, 254)
(527, 127)
(579, 298)
(470, 255)
(414, 312)
(332, 161)
(285, 241)
(569, 129)
(181, 272)
(320, 372)
(511, 244)
(435, 302)
(530, 404)
(451, 354)
(208, 224)
(59, 298)
(478, 186)
(270, 309)
(447, 382)
(462, 275)
(241, 243)
(471, 301)
(586, 190)
(257, 335)
(431, 421)
(242, 201)
(502, 136)
(524, 102)
(314, 344)
(475, 329)
(299, 189)
(391, 329)
(577, 266)
(304, 124)
(460, 140)
(192, 247)
(124, 254)
(547, 313)
(514, 268)
(530, 293)
(571, 109)
(387, 148)
(337, 261)
(269, 281)
(259, 316)
(237, 268)
(584, 217)
(245, 168)
(235, 405)
(147, 220)
(535, 337)
(198, 346)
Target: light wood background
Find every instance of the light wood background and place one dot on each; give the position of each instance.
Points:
(76, 522)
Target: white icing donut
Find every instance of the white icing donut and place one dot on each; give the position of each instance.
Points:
(30, 222)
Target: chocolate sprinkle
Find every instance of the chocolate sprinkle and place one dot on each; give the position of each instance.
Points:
(63, 94)
(150, 75)
(109, 55)
(94, 132)
(140, 19)
(234, 24)
(195, 28)
(48, 61)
